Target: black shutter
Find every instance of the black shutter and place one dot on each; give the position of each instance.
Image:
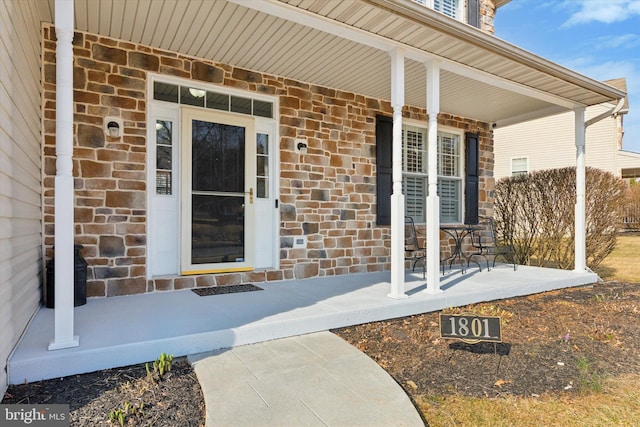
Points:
(471, 186)
(384, 167)
(473, 13)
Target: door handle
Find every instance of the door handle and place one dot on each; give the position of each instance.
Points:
(251, 195)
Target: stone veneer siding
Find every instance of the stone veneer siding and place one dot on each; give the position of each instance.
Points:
(329, 196)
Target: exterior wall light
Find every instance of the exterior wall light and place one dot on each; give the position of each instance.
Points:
(301, 146)
(113, 127)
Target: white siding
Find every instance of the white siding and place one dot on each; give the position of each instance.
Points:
(20, 176)
(549, 143)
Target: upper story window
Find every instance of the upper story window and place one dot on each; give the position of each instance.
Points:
(452, 8)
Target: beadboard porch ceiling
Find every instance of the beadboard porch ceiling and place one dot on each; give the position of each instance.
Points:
(345, 45)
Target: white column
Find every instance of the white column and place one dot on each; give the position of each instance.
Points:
(433, 201)
(64, 233)
(397, 198)
(580, 212)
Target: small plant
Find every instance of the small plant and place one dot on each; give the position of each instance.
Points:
(160, 366)
(588, 380)
(120, 415)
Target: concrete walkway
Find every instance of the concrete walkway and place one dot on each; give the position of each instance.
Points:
(309, 380)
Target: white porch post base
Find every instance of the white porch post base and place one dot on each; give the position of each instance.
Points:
(397, 247)
(75, 342)
(433, 245)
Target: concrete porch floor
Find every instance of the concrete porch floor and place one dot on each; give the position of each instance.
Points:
(125, 330)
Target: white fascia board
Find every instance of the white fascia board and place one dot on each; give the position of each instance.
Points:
(309, 19)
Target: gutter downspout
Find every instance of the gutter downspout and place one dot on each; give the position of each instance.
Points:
(64, 203)
(580, 209)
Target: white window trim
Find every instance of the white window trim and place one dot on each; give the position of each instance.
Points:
(460, 8)
(461, 165)
(266, 124)
(526, 171)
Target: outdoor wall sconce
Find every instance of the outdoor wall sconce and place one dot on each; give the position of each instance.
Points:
(301, 146)
(113, 127)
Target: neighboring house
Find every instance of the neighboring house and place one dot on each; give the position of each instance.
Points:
(546, 143)
(218, 142)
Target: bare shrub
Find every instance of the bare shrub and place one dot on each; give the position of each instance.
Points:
(630, 219)
(535, 213)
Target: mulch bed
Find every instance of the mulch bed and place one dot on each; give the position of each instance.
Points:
(174, 400)
(545, 339)
(555, 342)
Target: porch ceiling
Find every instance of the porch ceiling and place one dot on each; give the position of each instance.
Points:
(344, 44)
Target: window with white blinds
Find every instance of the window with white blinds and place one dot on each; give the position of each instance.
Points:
(448, 7)
(415, 173)
(519, 166)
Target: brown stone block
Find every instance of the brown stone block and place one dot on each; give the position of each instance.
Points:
(184, 282)
(229, 279)
(136, 252)
(246, 75)
(207, 72)
(144, 61)
(290, 102)
(305, 270)
(118, 101)
(125, 199)
(82, 96)
(163, 284)
(97, 76)
(82, 215)
(254, 277)
(89, 168)
(126, 228)
(108, 155)
(90, 136)
(96, 288)
(124, 82)
(274, 275)
(130, 286)
(131, 185)
(109, 54)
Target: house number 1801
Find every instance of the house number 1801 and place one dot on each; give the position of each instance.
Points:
(470, 328)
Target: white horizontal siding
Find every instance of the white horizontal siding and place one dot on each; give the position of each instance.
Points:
(549, 143)
(20, 173)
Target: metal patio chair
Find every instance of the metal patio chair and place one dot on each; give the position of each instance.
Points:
(412, 246)
(486, 245)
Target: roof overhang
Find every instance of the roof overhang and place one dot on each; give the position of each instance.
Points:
(346, 45)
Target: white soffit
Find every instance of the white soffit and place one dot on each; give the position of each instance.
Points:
(344, 45)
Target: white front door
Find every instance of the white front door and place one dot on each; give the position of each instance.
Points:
(218, 194)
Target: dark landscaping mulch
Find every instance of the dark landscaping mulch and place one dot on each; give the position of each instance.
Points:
(174, 400)
(557, 342)
(553, 343)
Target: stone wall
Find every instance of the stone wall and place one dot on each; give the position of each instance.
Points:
(487, 16)
(327, 195)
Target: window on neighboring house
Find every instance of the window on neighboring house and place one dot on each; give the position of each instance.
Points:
(415, 174)
(519, 166)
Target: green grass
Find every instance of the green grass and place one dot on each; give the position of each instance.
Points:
(623, 264)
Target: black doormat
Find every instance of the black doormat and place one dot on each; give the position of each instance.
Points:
(231, 289)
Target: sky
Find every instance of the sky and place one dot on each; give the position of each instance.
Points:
(597, 38)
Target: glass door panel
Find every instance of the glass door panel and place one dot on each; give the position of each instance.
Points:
(217, 231)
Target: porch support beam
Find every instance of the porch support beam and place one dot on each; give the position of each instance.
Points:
(433, 201)
(64, 233)
(397, 198)
(580, 209)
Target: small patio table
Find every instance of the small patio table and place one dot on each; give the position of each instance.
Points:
(458, 233)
